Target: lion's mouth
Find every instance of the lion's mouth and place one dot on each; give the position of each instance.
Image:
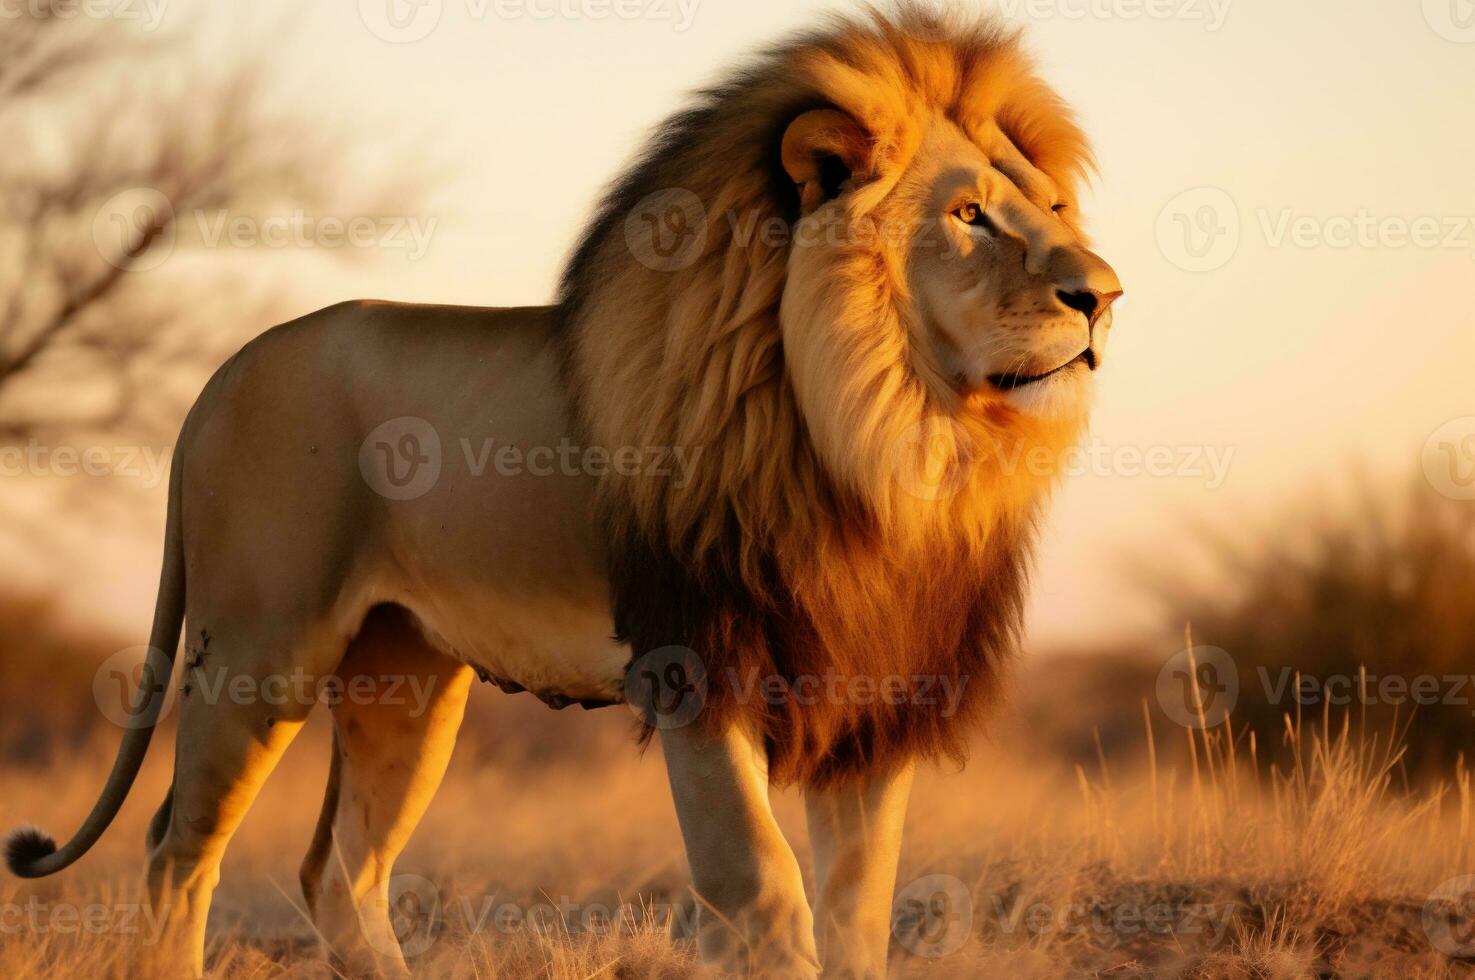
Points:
(1013, 380)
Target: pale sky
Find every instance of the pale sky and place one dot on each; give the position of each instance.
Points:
(1321, 332)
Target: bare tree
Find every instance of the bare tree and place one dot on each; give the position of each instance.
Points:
(110, 141)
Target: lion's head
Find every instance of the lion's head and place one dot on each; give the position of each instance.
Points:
(853, 275)
(1002, 306)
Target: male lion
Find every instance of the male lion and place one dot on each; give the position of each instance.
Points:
(849, 285)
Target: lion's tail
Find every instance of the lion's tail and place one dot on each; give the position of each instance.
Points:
(30, 853)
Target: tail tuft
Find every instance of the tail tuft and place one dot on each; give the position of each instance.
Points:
(24, 848)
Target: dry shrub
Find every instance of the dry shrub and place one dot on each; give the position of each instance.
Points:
(46, 701)
(1381, 581)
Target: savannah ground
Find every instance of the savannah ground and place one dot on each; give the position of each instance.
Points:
(552, 851)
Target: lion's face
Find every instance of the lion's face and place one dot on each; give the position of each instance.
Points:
(1011, 304)
(1003, 302)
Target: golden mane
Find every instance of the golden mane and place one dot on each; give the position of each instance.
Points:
(794, 549)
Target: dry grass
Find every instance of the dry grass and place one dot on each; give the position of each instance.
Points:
(1224, 866)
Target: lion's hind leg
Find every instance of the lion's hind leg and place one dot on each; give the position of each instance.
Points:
(395, 724)
(311, 874)
(236, 719)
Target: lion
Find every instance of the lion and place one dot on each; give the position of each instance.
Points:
(848, 290)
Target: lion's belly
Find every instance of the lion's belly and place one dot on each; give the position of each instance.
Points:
(508, 576)
(560, 648)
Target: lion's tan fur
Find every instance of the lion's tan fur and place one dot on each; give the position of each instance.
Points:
(795, 369)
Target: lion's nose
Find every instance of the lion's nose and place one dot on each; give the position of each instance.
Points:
(1087, 302)
(1084, 282)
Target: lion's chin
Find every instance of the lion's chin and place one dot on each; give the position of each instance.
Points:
(1064, 396)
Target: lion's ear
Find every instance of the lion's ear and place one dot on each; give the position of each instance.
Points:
(822, 149)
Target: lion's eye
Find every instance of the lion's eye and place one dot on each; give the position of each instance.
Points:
(1059, 208)
(972, 214)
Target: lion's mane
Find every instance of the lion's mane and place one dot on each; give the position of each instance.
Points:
(794, 551)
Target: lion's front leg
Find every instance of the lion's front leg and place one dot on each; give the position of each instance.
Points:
(856, 832)
(754, 918)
